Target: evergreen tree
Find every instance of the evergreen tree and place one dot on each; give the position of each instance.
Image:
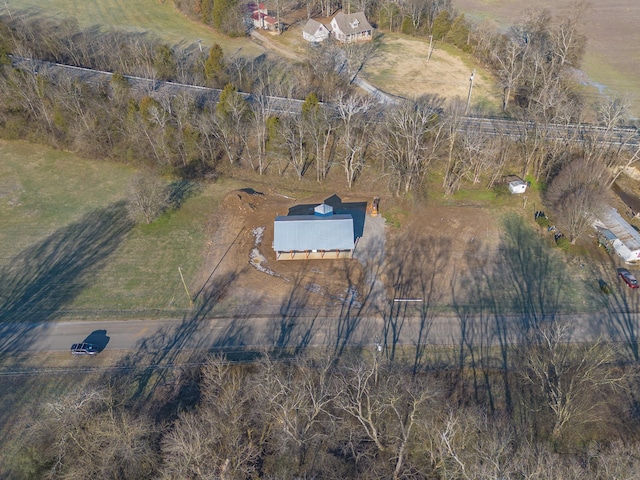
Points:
(310, 105)
(205, 8)
(164, 62)
(459, 34)
(214, 67)
(441, 25)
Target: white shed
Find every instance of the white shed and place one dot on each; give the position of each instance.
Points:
(517, 186)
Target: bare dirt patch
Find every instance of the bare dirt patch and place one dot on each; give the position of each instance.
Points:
(433, 245)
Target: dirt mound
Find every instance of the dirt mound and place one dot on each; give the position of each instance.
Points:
(243, 201)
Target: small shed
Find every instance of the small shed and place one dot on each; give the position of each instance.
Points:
(315, 31)
(517, 186)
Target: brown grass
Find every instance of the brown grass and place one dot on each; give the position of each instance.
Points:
(612, 61)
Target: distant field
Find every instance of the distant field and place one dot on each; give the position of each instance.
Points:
(157, 17)
(612, 60)
(59, 228)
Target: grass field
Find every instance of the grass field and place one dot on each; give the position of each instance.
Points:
(611, 58)
(156, 17)
(59, 210)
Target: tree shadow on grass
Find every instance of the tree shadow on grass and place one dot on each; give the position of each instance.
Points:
(36, 284)
(182, 190)
(295, 329)
(419, 280)
(502, 303)
(160, 371)
(622, 321)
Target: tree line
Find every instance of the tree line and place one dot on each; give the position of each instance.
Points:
(558, 411)
(339, 132)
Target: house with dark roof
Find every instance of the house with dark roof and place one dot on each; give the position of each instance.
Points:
(315, 31)
(321, 235)
(352, 27)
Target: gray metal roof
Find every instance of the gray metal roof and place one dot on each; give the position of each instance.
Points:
(308, 232)
(620, 228)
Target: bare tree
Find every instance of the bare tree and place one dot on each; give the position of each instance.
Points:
(411, 133)
(230, 118)
(262, 110)
(293, 133)
(152, 126)
(454, 169)
(572, 381)
(298, 402)
(320, 125)
(577, 193)
(568, 38)
(356, 121)
(510, 61)
(384, 407)
(218, 440)
(148, 197)
(90, 434)
(448, 442)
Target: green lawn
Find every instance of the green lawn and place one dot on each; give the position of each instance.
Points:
(157, 17)
(62, 226)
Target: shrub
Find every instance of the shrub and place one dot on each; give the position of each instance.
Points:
(563, 243)
(543, 222)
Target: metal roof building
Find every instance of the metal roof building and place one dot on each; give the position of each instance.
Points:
(313, 236)
(622, 236)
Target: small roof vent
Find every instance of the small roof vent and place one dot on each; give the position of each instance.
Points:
(323, 209)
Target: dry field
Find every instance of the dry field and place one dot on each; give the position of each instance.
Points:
(401, 68)
(612, 59)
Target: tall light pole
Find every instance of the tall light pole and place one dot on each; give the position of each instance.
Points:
(466, 110)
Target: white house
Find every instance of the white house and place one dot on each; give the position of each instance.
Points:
(314, 31)
(353, 27)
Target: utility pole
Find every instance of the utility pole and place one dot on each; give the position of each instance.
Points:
(466, 110)
(186, 289)
(430, 48)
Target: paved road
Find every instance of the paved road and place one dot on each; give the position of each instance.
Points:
(256, 333)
